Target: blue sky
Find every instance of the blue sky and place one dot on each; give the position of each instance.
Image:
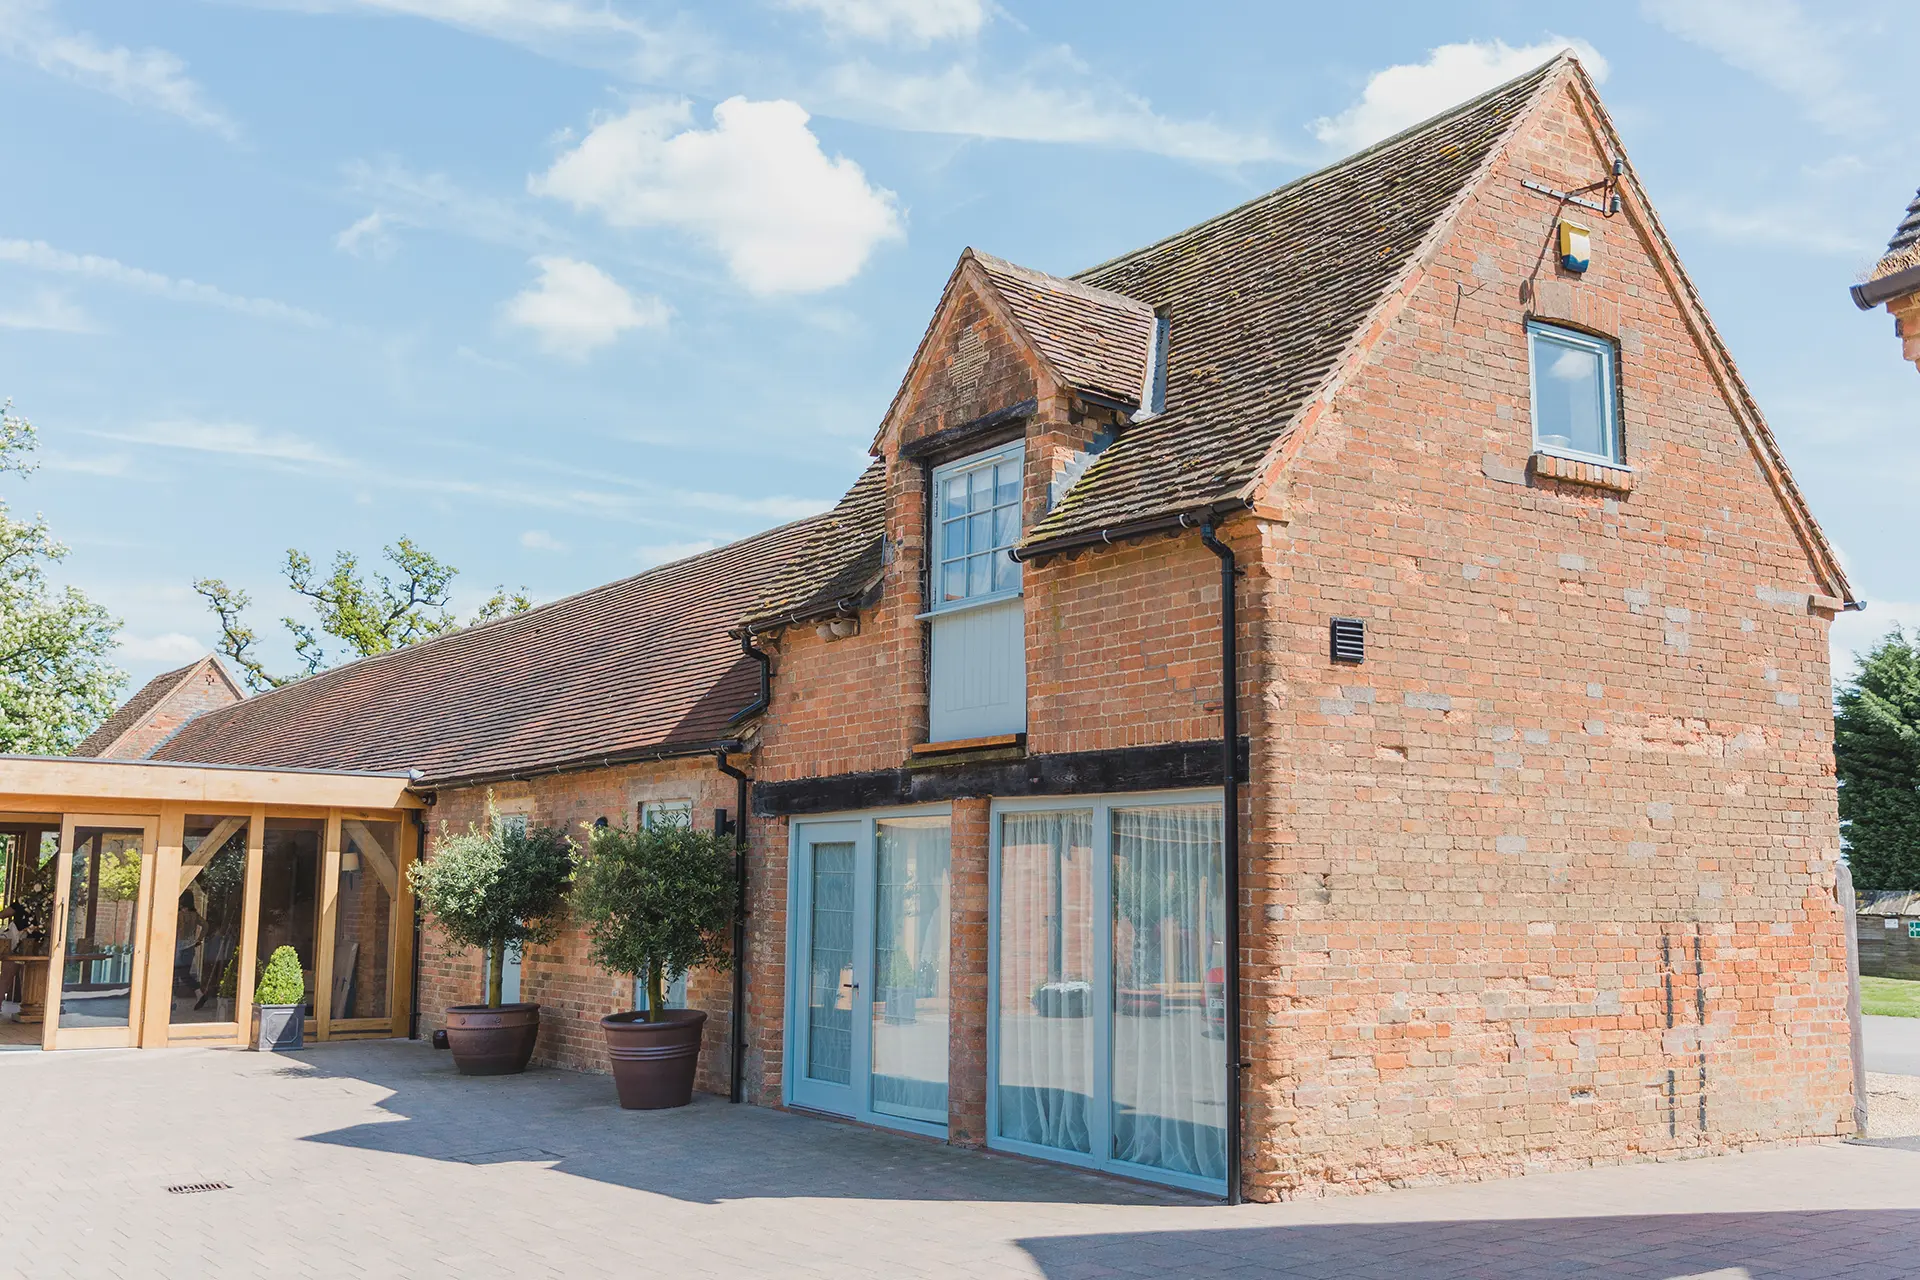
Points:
(564, 288)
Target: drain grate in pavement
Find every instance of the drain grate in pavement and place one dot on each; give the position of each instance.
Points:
(195, 1188)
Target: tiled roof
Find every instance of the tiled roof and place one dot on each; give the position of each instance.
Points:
(1264, 301)
(645, 664)
(134, 710)
(841, 561)
(1904, 249)
(1095, 339)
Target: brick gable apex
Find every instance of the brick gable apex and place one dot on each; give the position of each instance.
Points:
(1569, 81)
(160, 708)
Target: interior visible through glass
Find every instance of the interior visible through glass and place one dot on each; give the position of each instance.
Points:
(912, 878)
(1169, 1042)
(290, 866)
(1570, 396)
(1046, 1001)
(209, 911)
(363, 918)
(103, 907)
(830, 921)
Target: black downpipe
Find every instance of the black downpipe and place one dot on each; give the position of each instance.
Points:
(1230, 777)
(419, 856)
(764, 698)
(736, 1076)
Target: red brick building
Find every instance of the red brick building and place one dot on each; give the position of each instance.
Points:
(158, 709)
(1487, 820)
(1894, 283)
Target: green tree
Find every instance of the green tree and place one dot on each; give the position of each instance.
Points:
(496, 887)
(377, 616)
(657, 902)
(57, 678)
(1877, 751)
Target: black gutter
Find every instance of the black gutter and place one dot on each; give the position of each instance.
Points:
(1140, 528)
(1230, 779)
(1872, 293)
(736, 1078)
(762, 699)
(579, 764)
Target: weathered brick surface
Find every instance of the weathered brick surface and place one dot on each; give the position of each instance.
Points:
(1906, 323)
(573, 992)
(205, 690)
(1584, 776)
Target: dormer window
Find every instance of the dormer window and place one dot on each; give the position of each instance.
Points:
(977, 514)
(977, 676)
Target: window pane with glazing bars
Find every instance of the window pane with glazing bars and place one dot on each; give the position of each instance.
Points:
(830, 965)
(979, 517)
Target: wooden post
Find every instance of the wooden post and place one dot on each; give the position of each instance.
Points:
(329, 912)
(162, 927)
(250, 926)
(400, 931)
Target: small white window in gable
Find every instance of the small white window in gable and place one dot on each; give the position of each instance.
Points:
(1574, 413)
(976, 512)
(666, 813)
(510, 822)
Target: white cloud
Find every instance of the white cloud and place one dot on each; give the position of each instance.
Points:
(49, 310)
(756, 186)
(1035, 105)
(917, 23)
(152, 78)
(42, 256)
(593, 33)
(433, 201)
(1404, 95)
(541, 540)
(233, 439)
(370, 237)
(575, 308)
(91, 464)
(170, 646)
(1776, 41)
(1805, 230)
(661, 552)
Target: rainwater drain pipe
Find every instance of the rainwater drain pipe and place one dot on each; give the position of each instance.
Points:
(736, 1081)
(1230, 780)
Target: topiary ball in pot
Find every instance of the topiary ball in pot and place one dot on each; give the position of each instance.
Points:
(281, 1002)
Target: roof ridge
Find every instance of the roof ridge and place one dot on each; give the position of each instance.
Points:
(1366, 152)
(1080, 289)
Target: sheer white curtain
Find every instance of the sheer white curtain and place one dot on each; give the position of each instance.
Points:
(1169, 1059)
(911, 922)
(1047, 1003)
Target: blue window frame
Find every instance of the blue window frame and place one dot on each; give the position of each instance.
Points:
(1575, 413)
(976, 518)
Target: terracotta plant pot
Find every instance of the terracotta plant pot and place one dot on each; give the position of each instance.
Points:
(653, 1062)
(492, 1042)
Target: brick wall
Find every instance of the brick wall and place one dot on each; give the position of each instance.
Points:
(204, 690)
(574, 993)
(1906, 323)
(1547, 880)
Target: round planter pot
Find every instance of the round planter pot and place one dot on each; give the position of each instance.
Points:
(653, 1062)
(282, 1027)
(492, 1042)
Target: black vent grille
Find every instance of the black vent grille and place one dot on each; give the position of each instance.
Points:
(1348, 640)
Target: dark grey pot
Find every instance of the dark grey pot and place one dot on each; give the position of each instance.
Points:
(283, 1027)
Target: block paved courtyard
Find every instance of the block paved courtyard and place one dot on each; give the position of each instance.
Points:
(375, 1159)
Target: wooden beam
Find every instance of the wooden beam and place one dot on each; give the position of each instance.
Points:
(70, 780)
(196, 862)
(373, 852)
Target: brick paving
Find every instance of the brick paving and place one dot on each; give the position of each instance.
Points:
(375, 1159)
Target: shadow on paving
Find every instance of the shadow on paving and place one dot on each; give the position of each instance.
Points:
(706, 1153)
(1859, 1244)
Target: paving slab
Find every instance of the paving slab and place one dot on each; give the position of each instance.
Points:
(375, 1159)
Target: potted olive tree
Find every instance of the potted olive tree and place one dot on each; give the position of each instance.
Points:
(281, 999)
(494, 888)
(656, 903)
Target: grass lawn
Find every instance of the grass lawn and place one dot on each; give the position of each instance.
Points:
(1893, 997)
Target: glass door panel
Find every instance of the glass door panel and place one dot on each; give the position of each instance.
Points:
(104, 891)
(290, 866)
(828, 992)
(910, 924)
(209, 911)
(1046, 1018)
(363, 919)
(1169, 1061)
